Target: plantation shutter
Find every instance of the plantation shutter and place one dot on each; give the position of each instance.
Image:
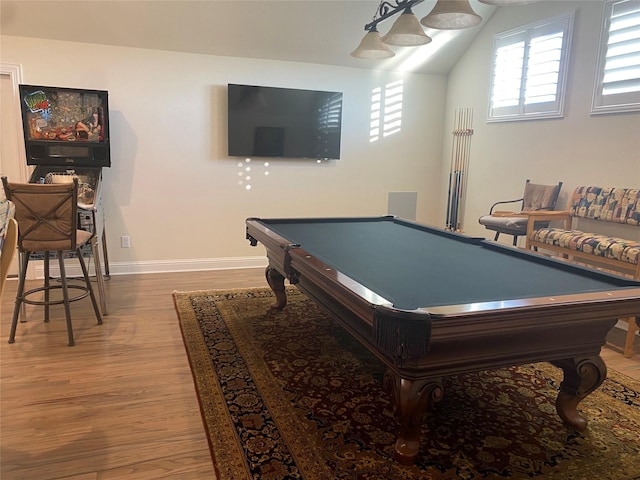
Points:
(618, 84)
(528, 71)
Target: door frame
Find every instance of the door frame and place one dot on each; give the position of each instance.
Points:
(14, 72)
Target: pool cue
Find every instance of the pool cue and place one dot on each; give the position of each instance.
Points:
(463, 140)
(466, 143)
(457, 171)
(451, 170)
(452, 175)
(469, 133)
(454, 163)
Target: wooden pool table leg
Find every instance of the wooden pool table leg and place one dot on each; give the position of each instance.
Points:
(411, 399)
(581, 377)
(276, 282)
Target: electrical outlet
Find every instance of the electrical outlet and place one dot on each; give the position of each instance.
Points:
(125, 241)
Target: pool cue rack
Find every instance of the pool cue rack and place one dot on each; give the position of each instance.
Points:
(458, 173)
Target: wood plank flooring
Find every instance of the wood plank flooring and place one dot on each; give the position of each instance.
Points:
(121, 403)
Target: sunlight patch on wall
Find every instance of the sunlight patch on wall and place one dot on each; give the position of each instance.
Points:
(386, 110)
(408, 60)
(245, 170)
(254, 172)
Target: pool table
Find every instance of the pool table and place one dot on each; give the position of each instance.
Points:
(431, 303)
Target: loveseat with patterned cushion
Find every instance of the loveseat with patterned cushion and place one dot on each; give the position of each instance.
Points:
(600, 204)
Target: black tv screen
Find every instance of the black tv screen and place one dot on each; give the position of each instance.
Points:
(65, 126)
(283, 122)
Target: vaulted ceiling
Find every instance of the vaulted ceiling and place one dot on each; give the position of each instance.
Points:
(312, 31)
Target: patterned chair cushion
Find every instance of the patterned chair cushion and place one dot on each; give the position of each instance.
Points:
(599, 245)
(607, 204)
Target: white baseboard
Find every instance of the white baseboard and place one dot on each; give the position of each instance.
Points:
(159, 266)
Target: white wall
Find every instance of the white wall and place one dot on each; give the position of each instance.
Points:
(578, 149)
(171, 186)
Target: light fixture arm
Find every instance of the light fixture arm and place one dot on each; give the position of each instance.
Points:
(387, 9)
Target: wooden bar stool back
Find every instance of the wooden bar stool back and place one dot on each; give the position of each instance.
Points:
(47, 217)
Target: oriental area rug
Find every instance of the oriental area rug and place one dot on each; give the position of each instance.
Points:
(290, 395)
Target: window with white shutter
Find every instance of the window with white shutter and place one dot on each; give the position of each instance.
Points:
(617, 87)
(529, 70)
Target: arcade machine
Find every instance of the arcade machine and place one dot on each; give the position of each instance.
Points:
(66, 135)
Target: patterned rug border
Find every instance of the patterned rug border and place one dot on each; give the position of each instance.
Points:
(211, 405)
(227, 464)
(228, 457)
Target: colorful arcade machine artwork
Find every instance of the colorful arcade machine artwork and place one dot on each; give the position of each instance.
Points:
(65, 126)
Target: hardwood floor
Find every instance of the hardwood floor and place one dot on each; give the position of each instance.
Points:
(121, 403)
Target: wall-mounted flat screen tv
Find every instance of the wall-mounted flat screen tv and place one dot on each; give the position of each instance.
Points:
(65, 126)
(283, 122)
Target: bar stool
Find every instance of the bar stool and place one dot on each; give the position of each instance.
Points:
(47, 217)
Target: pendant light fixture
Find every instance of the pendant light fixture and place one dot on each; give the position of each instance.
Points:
(451, 15)
(372, 46)
(406, 31)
